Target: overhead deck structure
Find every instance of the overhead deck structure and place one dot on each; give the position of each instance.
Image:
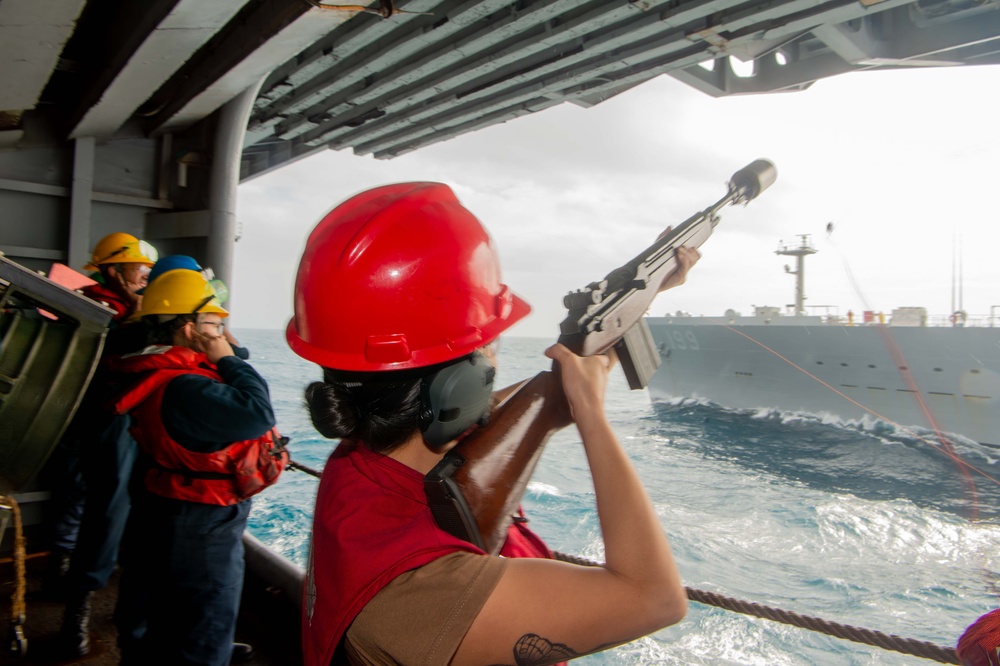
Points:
(118, 115)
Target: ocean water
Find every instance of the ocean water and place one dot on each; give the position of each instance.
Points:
(849, 522)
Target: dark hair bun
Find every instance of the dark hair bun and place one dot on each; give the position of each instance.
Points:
(382, 410)
(332, 413)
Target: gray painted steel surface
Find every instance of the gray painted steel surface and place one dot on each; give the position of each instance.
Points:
(46, 363)
(432, 69)
(850, 372)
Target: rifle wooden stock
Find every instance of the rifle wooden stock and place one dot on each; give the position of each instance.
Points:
(476, 489)
(489, 469)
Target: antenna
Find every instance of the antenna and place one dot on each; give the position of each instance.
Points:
(954, 240)
(800, 252)
(961, 281)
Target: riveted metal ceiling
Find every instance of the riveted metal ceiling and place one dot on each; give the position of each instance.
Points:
(388, 77)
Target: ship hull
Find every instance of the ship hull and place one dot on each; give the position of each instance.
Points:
(896, 374)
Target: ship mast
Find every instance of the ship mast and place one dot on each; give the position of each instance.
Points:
(804, 248)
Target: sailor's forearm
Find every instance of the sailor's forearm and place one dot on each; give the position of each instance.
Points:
(635, 544)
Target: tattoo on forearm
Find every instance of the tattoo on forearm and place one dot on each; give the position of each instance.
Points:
(533, 650)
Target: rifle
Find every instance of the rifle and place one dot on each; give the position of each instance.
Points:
(475, 490)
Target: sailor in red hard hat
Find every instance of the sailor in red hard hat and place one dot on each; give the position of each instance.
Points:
(399, 299)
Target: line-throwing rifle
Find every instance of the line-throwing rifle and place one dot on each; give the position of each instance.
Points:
(475, 490)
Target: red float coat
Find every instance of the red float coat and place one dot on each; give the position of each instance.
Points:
(372, 523)
(103, 294)
(224, 477)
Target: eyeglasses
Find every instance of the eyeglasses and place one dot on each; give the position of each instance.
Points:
(217, 327)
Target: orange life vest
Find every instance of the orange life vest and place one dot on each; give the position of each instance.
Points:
(224, 477)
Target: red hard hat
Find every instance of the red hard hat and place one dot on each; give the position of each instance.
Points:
(400, 276)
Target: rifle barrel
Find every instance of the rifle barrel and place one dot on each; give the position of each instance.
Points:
(476, 488)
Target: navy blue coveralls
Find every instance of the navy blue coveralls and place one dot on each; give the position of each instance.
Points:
(182, 562)
(107, 455)
(77, 476)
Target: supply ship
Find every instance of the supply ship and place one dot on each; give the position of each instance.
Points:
(899, 369)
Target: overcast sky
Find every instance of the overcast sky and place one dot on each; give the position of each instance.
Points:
(906, 165)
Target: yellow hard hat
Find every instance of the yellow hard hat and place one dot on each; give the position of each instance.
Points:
(121, 248)
(178, 292)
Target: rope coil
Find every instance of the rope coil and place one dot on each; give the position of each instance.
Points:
(17, 644)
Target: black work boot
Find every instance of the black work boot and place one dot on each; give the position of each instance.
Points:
(54, 578)
(75, 632)
(242, 653)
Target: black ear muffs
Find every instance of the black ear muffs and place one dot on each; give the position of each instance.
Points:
(455, 398)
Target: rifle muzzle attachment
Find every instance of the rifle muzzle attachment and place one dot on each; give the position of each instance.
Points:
(751, 180)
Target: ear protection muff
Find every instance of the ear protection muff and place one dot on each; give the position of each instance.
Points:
(455, 398)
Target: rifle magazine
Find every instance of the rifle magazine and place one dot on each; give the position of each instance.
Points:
(638, 355)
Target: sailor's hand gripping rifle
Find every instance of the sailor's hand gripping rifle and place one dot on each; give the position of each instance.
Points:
(475, 490)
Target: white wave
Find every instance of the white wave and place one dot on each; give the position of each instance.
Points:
(539, 488)
(681, 401)
(904, 534)
(887, 433)
(867, 424)
(763, 413)
(962, 446)
(720, 638)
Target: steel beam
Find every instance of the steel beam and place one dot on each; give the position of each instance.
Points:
(32, 35)
(80, 207)
(265, 33)
(187, 27)
(225, 176)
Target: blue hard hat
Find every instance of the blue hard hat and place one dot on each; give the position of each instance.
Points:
(170, 263)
